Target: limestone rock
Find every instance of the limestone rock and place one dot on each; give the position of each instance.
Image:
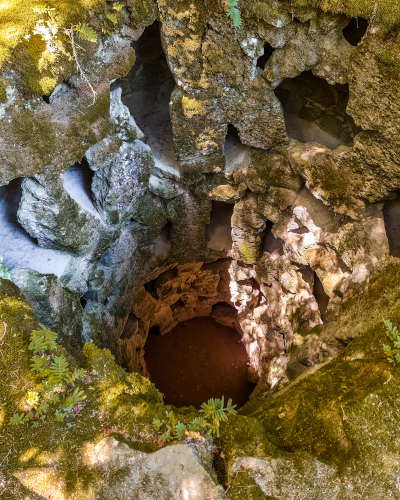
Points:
(124, 122)
(121, 191)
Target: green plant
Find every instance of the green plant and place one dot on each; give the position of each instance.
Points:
(393, 355)
(233, 12)
(56, 380)
(3, 271)
(212, 413)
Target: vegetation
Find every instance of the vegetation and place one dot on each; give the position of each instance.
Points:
(211, 415)
(56, 387)
(233, 12)
(3, 271)
(393, 355)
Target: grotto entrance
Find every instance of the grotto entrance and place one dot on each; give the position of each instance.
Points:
(197, 360)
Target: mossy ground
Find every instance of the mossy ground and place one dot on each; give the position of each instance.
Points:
(119, 404)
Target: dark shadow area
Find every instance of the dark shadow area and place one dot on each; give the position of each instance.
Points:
(262, 60)
(236, 154)
(355, 30)
(198, 360)
(130, 327)
(269, 242)
(320, 296)
(46, 99)
(78, 184)
(218, 231)
(146, 91)
(83, 301)
(316, 111)
(391, 216)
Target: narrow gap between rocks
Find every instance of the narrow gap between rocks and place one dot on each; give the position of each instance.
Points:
(146, 91)
(197, 360)
(391, 216)
(78, 184)
(269, 242)
(17, 247)
(320, 296)
(316, 111)
(262, 60)
(355, 30)
(218, 231)
(236, 154)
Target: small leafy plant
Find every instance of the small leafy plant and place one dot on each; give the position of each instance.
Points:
(3, 271)
(233, 12)
(57, 382)
(393, 355)
(211, 415)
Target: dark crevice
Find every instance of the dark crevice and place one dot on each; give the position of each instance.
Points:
(269, 242)
(46, 99)
(355, 30)
(320, 296)
(130, 327)
(315, 111)
(391, 216)
(218, 231)
(296, 20)
(146, 91)
(262, 60)
(83, 302)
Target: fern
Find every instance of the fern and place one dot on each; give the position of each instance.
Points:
(85, 32)
(41, 8)
(78, 373)
(72, 400)
(214, 411)
(32, 399)
(16, 419)
(393, 355)
(59, 369)
(180, 430)
(157, 424)
(117, 6)
(197, 424)
(171, 418)
(42, 340)
(59, 416)
(39, 363)
(112, 17)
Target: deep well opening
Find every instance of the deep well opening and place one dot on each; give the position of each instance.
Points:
(197, 360)
(316, 111)
(18, 247)
(391, 216)
(268, 51)
(355, 30)
(218, 231)
(146, 91)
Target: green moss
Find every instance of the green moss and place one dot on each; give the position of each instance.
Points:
(3, 94)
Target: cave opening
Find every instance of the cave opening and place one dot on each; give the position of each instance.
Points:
(197, 360)
(315, 111)
(268, 51)
(391, 217)
(146, 91)
(236, 153)
(355, 30)
(17, 247)
(218, 231)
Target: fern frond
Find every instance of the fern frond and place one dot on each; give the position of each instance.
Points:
(234, 14)
(157, 424)
(85, 32)
(72, 400)
(32, 399)
(59, 416)
(112, 17)
(59, 369)
(16, 419)
(38, 342)
(41, 8)
(78, 373)
(180, 430)
(117, 6)
(39, 363)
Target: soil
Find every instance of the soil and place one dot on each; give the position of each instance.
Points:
(198, 360)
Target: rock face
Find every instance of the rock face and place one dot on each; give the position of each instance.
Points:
(196, 168)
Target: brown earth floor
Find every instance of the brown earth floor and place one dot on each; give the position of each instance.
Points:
(198, 360)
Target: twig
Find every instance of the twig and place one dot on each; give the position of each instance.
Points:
(80, 70)
(5, 330)
(4, 459)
